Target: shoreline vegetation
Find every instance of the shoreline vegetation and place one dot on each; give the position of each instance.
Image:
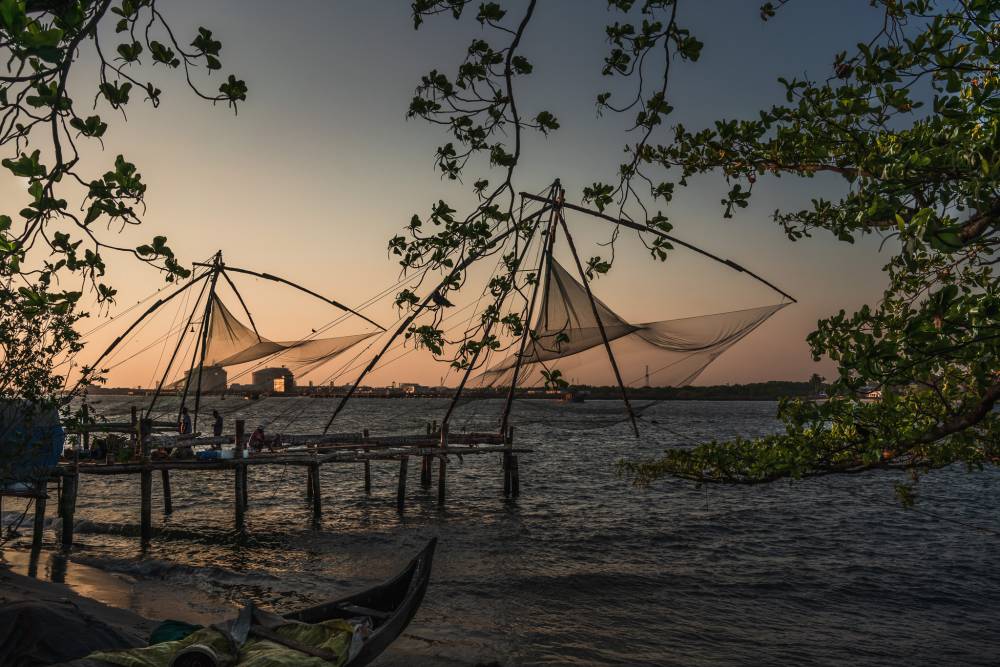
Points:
(754, 391)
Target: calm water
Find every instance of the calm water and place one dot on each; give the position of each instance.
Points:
(583, 568)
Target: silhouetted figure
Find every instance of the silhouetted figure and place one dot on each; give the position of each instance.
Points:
(184, 427)
(257, 439)
(216, 423)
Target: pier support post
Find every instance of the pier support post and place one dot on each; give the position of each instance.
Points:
(425, 472)
(145, 486)
(368, 468)
(86, 430)
(404, 463)
(508, 464)
(239, 479)
(317, 496)
(68, 512)
(309, 487)
(515, 481)
(443, 465)
(40, 501)
(146, 510)
(168, 498)
(426, 463)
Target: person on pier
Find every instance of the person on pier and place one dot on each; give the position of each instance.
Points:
(257, 439)
(184, 427)
(216, 427)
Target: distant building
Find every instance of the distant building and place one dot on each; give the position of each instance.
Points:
(410, 387)
(213, 378)
(278, 380)
(871, 393)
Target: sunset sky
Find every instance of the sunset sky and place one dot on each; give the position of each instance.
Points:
(320, 168)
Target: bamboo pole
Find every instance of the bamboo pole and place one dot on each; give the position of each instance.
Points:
(600, 323)
(242, 303)
(497, 305)
(656, 232)
(177, 348)
(204, 338)
(543, 264)
(278, 279)
(129, 330)
(461, 266)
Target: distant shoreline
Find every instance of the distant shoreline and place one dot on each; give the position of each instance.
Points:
(758, 391)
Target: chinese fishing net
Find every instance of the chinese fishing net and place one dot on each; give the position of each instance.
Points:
(231, 343)
(566, 337)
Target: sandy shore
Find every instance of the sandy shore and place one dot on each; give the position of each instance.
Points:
(133, 608)
(20, 588)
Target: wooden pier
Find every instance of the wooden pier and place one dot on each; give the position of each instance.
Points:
(309, 452)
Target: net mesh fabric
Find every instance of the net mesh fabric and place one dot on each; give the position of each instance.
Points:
(566, 337)
(230, 343)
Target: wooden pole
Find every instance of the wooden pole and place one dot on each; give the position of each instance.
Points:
(497, 305)
(515, 483)
(86, 432)
(239, 479)
(177, 348)
(69, 509)
(405, 325)
(442, 465)
(317, 496)
(508, 464)
(401, 489)
(600, 323)
(277, 279)
(368, 469)
(145, 488)
(204, 338)
(40, 499)
(168, 501)
(543, 267)
(656, 232)
(120, 338)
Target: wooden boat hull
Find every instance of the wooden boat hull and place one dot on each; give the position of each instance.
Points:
(396, 602)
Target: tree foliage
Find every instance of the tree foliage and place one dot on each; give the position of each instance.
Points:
(53, 249)
(908, 119)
